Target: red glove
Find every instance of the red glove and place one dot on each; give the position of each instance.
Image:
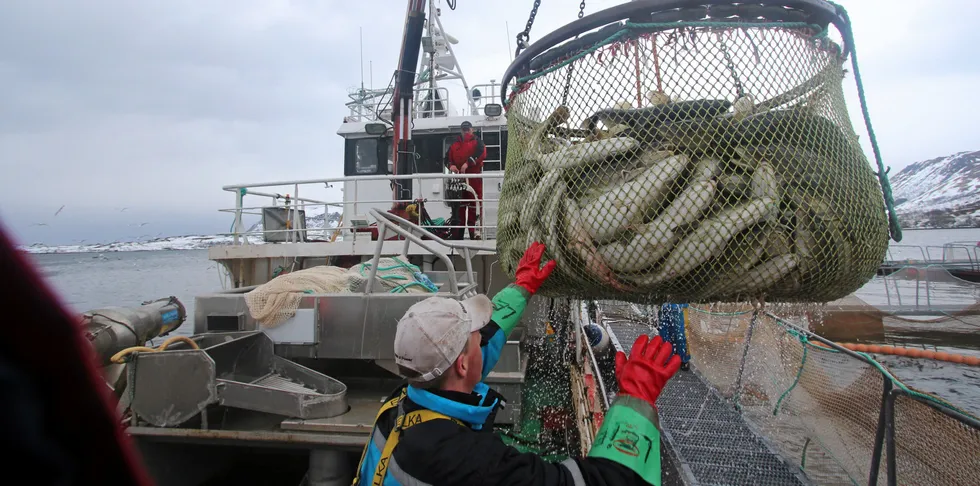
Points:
(650, 365)
(530, 274)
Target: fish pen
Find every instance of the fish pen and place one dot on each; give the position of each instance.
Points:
(786, 406)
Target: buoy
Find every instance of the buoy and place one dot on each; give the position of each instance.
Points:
(910, 352)
(598, 338)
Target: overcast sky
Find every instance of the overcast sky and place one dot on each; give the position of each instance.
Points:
(152, 106)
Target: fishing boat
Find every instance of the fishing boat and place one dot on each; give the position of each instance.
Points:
(293, 402)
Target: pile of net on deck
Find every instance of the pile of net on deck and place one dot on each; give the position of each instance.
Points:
(276, 301)
(692, 162)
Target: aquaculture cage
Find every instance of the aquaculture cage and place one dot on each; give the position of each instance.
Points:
(681, 151)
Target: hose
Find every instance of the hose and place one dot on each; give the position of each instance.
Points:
(118, 357)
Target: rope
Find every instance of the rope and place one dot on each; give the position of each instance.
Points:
(118, 357)
(721, 314)
(881, 368)
(803, 456)
(799, 372)
(894, 225)
(400, 264)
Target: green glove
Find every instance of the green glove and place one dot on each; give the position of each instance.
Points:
(629, 436)
(508, 307)
(509, 303)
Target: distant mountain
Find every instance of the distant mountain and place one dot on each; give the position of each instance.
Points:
(317, 226)
(939, 193)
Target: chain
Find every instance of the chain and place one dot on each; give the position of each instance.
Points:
(523, 37)
(568, 76)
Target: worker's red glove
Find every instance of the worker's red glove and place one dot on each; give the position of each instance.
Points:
(650, 365)
(530, 274)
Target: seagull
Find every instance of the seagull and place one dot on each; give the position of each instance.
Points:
(123, 209)
(39, 224)
(59, 209)
(139, 225)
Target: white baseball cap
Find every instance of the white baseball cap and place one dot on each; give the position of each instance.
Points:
(433, 332)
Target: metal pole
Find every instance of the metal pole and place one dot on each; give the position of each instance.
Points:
(890, 436)
(238, 214)
(296, 228)
(880, 433)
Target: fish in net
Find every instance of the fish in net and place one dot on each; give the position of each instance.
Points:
(692, 162)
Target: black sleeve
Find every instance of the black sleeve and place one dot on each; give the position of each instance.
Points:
(441, 452)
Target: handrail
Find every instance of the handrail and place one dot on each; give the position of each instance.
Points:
(298, 203)
(388, 177)
(388, 221)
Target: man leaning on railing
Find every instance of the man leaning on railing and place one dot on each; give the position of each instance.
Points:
(465, 156)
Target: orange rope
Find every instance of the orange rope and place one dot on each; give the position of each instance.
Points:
(910, 352)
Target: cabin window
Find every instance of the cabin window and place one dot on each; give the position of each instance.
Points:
(366, 156)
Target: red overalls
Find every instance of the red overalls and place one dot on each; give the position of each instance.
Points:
(460, 151)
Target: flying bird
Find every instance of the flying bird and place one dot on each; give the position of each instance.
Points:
(59, 210)
(39, 224)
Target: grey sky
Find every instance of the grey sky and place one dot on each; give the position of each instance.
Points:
(153, 106)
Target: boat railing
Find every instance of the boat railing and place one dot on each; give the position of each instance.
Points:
(961, 254)
(295, 206)
(485, 94)
(414, 234)
(371, 105)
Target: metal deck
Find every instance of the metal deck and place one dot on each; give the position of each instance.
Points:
(709, 441)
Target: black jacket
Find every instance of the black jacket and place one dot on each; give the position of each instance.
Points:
(442, 452)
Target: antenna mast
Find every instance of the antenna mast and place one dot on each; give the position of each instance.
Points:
(361, 36)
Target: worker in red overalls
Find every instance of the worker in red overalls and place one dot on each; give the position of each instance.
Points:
(465, 156)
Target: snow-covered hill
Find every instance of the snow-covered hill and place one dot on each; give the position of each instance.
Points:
(939, 193)
(317, 228)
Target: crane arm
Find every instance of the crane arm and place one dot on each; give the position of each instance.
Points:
(404, 93)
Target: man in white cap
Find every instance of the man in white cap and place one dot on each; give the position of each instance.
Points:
(438, 429)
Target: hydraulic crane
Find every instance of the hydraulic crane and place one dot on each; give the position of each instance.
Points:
(401, 113)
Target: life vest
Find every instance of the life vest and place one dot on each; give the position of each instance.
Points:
(403, 421)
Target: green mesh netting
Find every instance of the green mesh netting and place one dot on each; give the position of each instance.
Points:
(699, 163)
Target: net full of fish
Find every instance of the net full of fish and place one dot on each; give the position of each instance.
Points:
(666, 199)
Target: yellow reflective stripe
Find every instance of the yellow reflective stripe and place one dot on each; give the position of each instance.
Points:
(403, 422)
(390, 404)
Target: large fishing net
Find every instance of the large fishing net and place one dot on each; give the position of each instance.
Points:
(276, 301)
(821, 408)
(700, 156)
